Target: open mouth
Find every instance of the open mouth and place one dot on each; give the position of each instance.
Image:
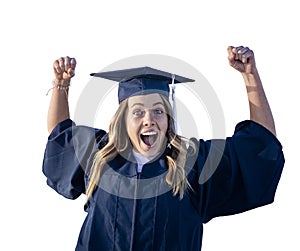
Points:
(149, 138)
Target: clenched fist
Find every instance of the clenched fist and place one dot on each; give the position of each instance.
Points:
(242, 59)
(64, 68)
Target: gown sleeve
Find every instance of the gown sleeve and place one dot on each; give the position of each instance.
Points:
(239, 173)
(67, 156)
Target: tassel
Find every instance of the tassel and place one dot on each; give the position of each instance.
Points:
(174, 102)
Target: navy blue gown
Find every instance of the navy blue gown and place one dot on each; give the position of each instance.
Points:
(137, 211)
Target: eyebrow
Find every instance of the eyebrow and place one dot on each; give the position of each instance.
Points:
(141, 104)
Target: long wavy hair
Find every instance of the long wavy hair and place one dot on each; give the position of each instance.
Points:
(118, 142)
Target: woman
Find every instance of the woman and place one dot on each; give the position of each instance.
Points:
(147, 187)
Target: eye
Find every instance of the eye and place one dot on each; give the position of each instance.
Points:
(138, 113)
(158, 111)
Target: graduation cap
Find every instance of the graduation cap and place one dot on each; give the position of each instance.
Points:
(142, 81)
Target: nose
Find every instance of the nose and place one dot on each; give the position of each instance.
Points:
(148, 119)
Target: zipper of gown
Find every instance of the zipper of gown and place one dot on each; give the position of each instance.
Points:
(134, 210)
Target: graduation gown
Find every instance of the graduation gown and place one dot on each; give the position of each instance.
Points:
(137, 211)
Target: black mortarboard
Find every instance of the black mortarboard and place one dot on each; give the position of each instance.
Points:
(141, 81)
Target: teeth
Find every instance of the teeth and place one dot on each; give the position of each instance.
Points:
(149, 133)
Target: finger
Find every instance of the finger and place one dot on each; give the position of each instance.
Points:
(241, 53)
(56, 67)
(247, 56)
(61, 63)
(229, 49)
(236, 51)
(67, 63)
(71, 72)
(73, 63)
(238, 48)
(243, 50)
(231, 54)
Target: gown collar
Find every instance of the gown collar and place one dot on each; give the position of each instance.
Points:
(127, 165)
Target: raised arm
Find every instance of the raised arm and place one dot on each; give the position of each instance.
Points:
(242, 59)
(64, 70)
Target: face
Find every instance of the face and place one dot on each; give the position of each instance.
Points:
(147, 123)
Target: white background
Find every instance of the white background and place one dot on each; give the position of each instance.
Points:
(98, 33)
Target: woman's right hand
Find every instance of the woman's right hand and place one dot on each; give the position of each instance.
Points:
(64, 69)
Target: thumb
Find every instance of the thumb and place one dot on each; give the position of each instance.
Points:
(231, 53)
(71, 72)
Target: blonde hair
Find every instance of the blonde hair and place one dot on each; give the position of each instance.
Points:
(118, 142)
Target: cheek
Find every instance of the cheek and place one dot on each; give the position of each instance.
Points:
(163, 123)
(132, 128)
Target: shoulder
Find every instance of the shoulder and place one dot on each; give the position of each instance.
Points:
(67, 130)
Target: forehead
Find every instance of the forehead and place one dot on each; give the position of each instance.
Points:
(145, 100)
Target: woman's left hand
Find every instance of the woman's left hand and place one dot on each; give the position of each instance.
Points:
(242, 59)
